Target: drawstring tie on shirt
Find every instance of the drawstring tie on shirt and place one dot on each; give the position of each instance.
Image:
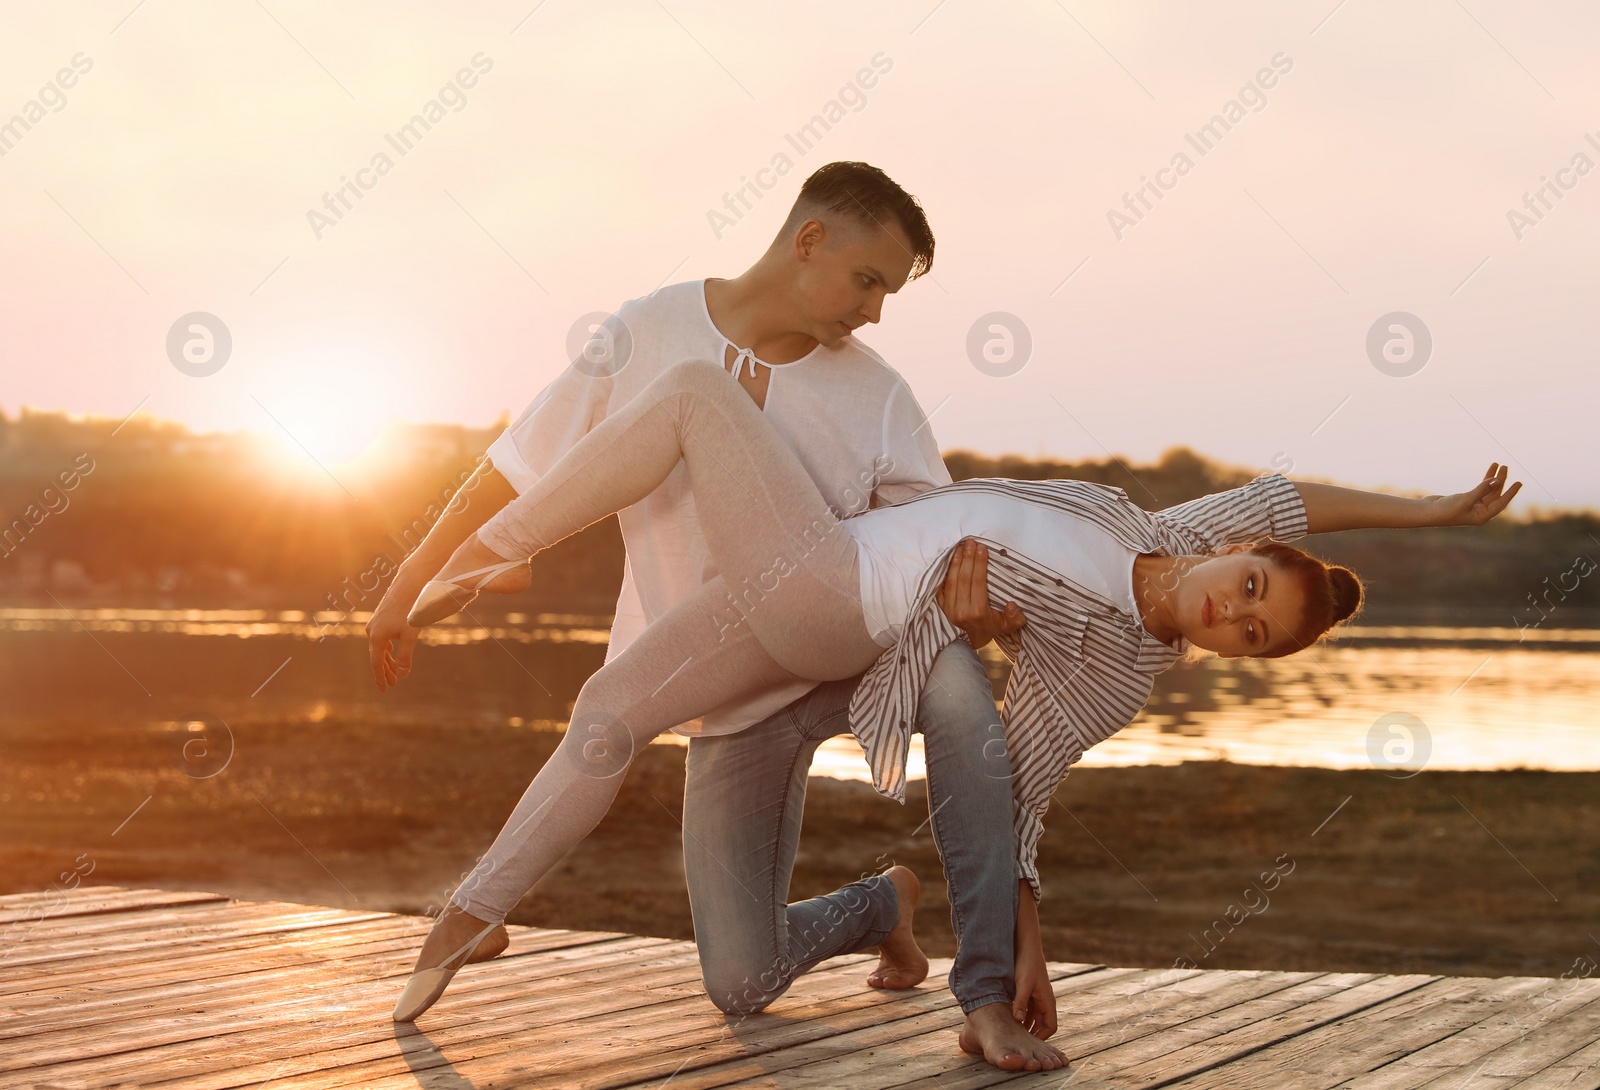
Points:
(739, 360)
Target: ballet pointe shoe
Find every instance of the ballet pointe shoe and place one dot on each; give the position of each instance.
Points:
(440, 598)
(427, 985)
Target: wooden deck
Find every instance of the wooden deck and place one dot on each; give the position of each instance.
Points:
(110, 987)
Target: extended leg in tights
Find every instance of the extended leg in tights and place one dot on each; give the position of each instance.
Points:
(768, 529)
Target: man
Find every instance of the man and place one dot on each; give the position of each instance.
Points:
(785, 328)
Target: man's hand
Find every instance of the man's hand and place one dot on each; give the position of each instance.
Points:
(965, 596)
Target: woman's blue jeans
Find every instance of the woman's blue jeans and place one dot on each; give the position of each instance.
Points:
(743, 801)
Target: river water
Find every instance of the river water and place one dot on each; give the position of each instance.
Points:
(1394, 698)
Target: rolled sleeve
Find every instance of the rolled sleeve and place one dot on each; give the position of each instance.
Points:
(1269, 506)
(1286, 510)
(562, 414)
(1029, 829)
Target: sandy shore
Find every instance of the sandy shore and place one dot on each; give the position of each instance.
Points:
(1226, 866)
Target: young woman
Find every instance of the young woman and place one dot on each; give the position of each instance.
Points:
(1113, 594)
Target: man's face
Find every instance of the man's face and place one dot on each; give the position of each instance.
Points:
(846, 269)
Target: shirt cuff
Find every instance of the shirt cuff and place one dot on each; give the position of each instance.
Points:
(1285, 509)
(1027, 868)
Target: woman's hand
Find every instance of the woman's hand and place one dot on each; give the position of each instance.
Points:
(390, 641)
(1478, 506)
(964, 598)
(1034, 1005)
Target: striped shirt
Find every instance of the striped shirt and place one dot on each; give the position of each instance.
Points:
(1082, 668)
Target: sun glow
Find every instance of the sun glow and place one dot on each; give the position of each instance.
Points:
(328, 414)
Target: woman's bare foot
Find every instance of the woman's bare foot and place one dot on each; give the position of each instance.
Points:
(452, 936)
(901, 962)
(991, 1032)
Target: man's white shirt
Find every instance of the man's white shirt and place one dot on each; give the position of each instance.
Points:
(850, 418)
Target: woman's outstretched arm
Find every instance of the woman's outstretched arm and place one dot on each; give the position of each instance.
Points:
(1330, 507)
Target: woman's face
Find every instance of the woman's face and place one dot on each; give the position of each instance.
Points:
(1237, 603)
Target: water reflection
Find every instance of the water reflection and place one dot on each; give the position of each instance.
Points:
(1490, 697)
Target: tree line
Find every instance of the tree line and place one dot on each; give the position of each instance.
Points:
(148, 513)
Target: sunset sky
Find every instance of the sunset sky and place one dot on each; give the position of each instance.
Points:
(1373, 169)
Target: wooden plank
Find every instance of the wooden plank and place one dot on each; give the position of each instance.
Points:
(1326, 1056)
(273, 933)
(147, 947)
(196, 992)
(213, 916)
(1578, 1071)
(291, 1039)
(1086, 1035)
(235, 978)
(918, 1051)
(1091, 1038)
(1467, 1050)
(943, 1020)
(24, 898)
(67, 944)
(665, 1060)
(93, 900)
(633, 1035)
(274, 998)
(1202, 1043)
(365, 1046)
(369, 990)
(824, 1016)
(1550, 1036)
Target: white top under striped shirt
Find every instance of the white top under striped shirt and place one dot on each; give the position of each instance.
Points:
(1082, 665)
(899, 543)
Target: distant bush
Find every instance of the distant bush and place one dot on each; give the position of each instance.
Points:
(206, 520)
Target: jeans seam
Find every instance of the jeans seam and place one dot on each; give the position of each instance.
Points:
(955, 901)
(781, 903)
(959, 919)
(844, 713)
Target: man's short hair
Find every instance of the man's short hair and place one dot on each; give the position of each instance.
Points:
(865, 194)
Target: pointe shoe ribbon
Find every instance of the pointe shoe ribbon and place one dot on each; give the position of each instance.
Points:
(440, 598)
(427, 985)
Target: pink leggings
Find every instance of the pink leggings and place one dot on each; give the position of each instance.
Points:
(787, 604)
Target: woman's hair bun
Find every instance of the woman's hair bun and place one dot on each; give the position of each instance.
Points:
(1348, 592)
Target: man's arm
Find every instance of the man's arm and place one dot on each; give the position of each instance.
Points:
(390, 641)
